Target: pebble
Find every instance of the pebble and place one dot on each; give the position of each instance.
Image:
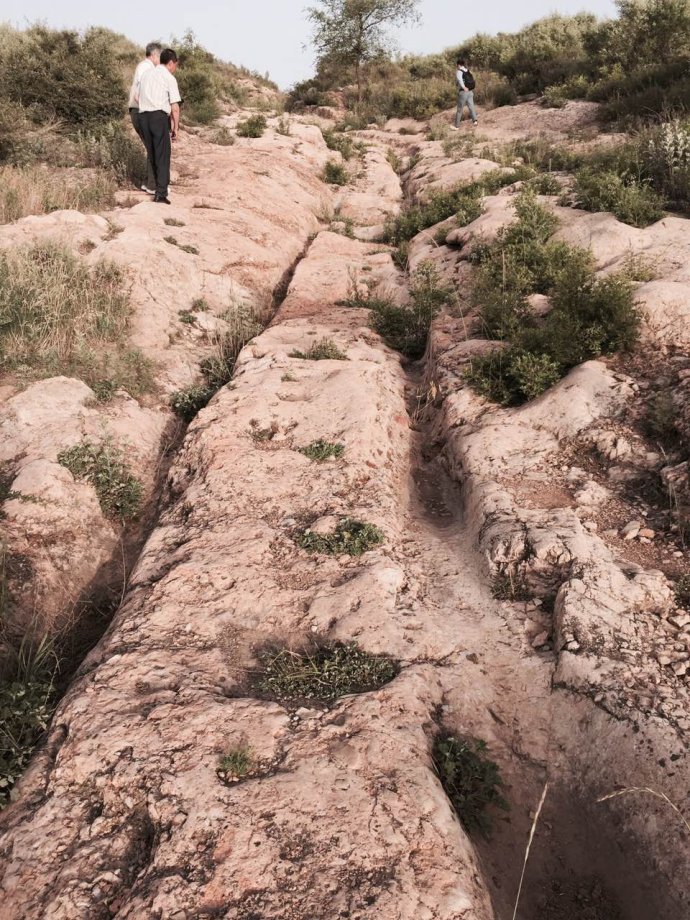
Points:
(540, 640)
(679, 619)
(591, 526)
(647, 533)
(631, 530)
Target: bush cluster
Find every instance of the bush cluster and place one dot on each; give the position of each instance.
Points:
(588, 317)
(254, 126)
(471, 780)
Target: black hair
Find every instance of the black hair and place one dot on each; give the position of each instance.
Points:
(168, 56)
(461, 62)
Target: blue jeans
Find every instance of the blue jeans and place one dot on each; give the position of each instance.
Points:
(465, 98)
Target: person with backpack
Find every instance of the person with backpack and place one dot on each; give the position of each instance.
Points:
(466, 84)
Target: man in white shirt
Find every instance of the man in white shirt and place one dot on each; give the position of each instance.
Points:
(153, 56)
(159, 117)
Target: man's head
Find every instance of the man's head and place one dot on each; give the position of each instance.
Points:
(461, 62)
(153, 52)
(169, 60)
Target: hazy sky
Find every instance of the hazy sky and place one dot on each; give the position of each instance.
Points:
(268, 35)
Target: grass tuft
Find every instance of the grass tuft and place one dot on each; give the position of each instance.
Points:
(103, 466)
(236, 764)
(322, 672)
(350, 537)
(323, 350)
(335, 173)
(322, 450)
(470, 779)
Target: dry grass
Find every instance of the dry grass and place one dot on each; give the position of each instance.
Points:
(530, 840)
(59, 315)
(36, 190)
(648, 791)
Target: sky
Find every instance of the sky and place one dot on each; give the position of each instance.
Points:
(270, 35)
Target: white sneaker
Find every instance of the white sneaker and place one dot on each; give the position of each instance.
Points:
(148, 191)
(454, 128)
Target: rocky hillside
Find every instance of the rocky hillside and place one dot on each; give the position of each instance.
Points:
(360, 501)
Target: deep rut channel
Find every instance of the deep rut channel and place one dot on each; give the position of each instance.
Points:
(497, 688)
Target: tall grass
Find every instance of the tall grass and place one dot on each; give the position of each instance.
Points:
(35, 190)
(59, 315)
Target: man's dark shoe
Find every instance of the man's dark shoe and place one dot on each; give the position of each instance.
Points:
(161, 199)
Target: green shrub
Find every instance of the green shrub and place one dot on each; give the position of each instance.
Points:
(463, 201)
(188, 402)
(343, 143)
(322, 673)
(350, 537)
(589, 316)
(682, 592)
(545, 184)
(323, 350)
(27, 701)
(406, 328)
(335, 173)
(632, 202)
(62, 75)
(103, 466)
(323, 450)
(665, 152)
(470, 779)
(254, 126)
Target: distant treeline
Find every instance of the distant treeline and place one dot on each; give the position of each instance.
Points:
(636, 64)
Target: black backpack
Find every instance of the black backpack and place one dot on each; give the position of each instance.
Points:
(468, 79)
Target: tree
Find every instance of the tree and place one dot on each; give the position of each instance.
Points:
(349, 33)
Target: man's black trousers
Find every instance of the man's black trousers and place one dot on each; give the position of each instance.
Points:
(155, 129)
(150, 176)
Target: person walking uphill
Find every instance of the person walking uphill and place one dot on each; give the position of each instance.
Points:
(159, 117)
(152, 60)
(466, 84)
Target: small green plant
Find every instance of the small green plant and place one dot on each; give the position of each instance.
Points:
(254, 126)
(172, 240)
(173, 222)
(236, 764)
(350, 537)
(321, 672)
(323, 350)
(631, 201)
(103, 465)
(545, 184)
(191, 400)
(661, 419)
(343, 143)
(470, 779)
(200, 304)
(192, 250)
(186, 316)
(323, 450)
(335, 173)
(288, 377)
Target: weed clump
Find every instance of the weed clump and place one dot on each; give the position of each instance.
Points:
(27, 701)
(350, 537)
(323, 450)
(509, 586)
(682, 592)
(254, 126)
(236, 764)
(223, 138)
(335, 173)
(406, 329)
(216, 369)
(470, 779)
(322, 673)
(342, 143)
(323, 350)
(103, 466)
